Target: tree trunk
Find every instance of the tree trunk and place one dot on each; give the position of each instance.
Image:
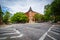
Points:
(1, 21)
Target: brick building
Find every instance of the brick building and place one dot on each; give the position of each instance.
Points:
(30, 14)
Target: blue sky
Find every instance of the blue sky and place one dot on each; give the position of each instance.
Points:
(14, 6)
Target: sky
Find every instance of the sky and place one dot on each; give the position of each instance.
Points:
(14, 6)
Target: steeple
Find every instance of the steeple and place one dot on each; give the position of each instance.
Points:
(30, 9)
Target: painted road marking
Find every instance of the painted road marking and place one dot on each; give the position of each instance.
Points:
(17, 36)
(17, 32)
(8, 33)
(42, 38)
(54, 32)
(51, 37)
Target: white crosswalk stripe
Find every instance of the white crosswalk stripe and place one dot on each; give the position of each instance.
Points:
(54, 32)
(42, 38)
(51, 37)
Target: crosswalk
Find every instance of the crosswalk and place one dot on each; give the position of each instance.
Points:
(9, 33)
(53, 33)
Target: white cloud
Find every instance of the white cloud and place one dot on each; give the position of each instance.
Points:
(23, 5)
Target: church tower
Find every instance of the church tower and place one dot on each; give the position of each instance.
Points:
(30, 9)
(30, 14)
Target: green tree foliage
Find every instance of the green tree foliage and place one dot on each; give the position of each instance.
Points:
(6, 17)
(55, 10)
(1, 15)
(39, 17)
(55, 7)
(47, 12)
(52, 11)
(19, 17)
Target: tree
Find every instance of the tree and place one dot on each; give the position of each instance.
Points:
(6, 17)
(55, 9)
(1, 15)
(19, 17)
(39, 17)
(47, 12)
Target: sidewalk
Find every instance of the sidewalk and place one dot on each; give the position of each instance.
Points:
(3, 26)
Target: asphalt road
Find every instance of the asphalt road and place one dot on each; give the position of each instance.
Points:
(53, 33)
(24, 31)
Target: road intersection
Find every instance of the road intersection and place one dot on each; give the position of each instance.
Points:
(26, 31)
